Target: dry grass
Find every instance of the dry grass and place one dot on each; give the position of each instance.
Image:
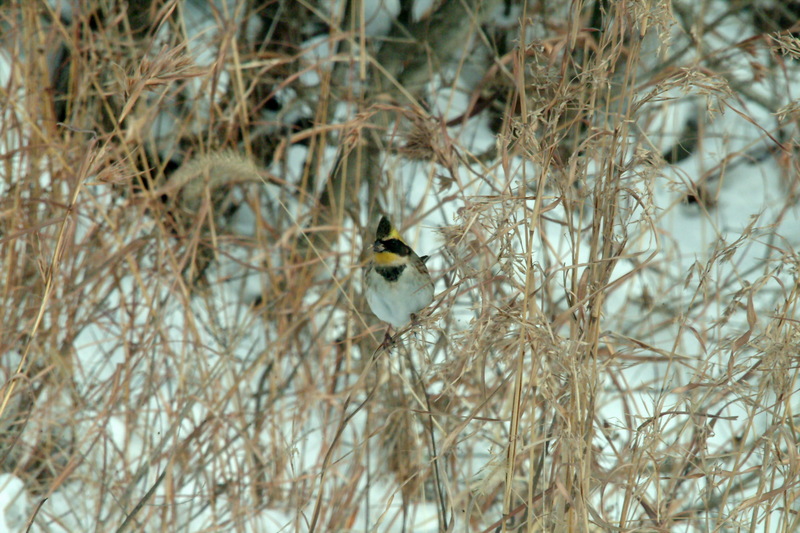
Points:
(170, 363)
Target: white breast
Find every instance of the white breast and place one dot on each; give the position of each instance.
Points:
(395, 302)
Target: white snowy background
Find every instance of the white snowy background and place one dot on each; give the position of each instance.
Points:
(209, 406)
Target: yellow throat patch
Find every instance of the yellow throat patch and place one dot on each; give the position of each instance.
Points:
(385, 259)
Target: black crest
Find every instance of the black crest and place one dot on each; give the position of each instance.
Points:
(384, 229)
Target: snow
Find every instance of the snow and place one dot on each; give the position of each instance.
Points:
(749, 199)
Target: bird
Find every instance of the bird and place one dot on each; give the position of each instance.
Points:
(397, 281)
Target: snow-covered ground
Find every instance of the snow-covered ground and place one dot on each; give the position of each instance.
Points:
(217, 409)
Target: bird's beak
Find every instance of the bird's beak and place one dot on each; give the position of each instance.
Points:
(377, 247)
